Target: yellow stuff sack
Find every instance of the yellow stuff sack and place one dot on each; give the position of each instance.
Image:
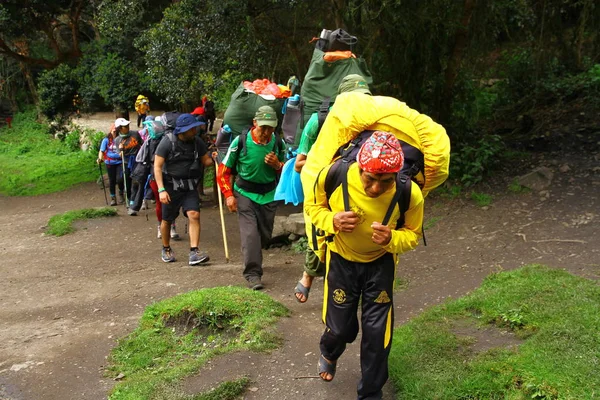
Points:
(354, 112)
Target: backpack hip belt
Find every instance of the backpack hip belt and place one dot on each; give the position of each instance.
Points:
(259, 188)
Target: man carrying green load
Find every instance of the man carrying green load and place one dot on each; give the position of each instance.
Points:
(257, 157)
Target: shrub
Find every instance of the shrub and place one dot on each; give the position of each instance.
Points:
(56, 89)
(471, 162)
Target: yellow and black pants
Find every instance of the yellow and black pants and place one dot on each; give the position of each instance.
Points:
(345, 283)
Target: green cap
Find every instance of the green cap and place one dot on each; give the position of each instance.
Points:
(354, 83)
(266, 116)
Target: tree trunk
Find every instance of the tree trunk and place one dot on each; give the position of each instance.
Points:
(581, 34)
(461, 40)
(339, 7)
(30, 83)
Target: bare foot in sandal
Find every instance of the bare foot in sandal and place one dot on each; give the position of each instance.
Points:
(326, 368)
(303, 287)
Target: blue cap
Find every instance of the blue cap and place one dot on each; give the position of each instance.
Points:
(185, 122)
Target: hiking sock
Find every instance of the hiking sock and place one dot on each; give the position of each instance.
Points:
(193, 249)
(167, 248)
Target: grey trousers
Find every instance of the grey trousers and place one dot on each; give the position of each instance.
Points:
(256, 226)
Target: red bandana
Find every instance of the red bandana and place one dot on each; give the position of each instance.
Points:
(380, 154)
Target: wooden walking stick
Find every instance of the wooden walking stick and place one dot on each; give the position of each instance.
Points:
(222, 216)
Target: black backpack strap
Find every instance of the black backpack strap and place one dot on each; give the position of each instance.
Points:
(242, 143)
(336, 176)
(401, 197)
(172, 139)
(323, 111)
(315, 231)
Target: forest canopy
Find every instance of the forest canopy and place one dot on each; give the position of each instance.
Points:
(464, 63)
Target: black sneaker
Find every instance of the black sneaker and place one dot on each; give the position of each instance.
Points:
(255, 283)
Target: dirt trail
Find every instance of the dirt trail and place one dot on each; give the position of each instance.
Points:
(65, 301)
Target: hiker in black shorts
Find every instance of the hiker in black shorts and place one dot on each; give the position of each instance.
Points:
(177, 172)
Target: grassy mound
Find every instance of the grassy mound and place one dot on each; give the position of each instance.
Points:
(545, 323)
(33, 163)
(178, 335)
(61, 224)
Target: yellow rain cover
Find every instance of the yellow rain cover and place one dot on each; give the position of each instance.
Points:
(355, 112)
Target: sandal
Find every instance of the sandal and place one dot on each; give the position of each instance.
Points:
(327, 367)
(303, 290)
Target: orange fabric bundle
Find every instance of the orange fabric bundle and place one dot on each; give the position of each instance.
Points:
(266, 87)
(332, 56)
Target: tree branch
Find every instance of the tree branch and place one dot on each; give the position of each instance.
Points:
(7, 51)
(74, 16)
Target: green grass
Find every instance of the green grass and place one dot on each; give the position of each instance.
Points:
(448, 191)
(481, 199)
(209, 177)
(229, 390)
(178, 335)
(33, 163)
(301, 245)
(431, 222)
(554, 313)
(516, 188)
(61, 224)
(400, 283)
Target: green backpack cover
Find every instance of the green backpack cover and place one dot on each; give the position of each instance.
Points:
(322, 80)
(243, 106)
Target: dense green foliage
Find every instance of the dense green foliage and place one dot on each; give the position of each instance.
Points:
(32, 162)
(56, 88)
(178, 335)
(552, 317)
(61, 224)
(465, 63)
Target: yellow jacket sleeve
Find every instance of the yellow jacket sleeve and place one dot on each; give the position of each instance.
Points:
(317, 206)
(407, 237)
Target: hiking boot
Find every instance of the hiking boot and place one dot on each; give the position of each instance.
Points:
(174, 234)
(121, 198)
(159, 235)
(131, 211)
(255, 283)
(113, 201)
(168, 255)
(198, 257)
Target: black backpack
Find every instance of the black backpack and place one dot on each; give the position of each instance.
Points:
(241, 149)
(293, 118)
(338, 175)
(170, 120)
(338, 40)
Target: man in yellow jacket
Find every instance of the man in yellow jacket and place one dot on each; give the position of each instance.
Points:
(362, 256)
(142, 107)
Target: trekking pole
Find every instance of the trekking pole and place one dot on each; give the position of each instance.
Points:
(145, 202)
(222, 217)
(124, 178)
(102, 180)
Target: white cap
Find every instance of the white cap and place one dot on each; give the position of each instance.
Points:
(121, 122)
